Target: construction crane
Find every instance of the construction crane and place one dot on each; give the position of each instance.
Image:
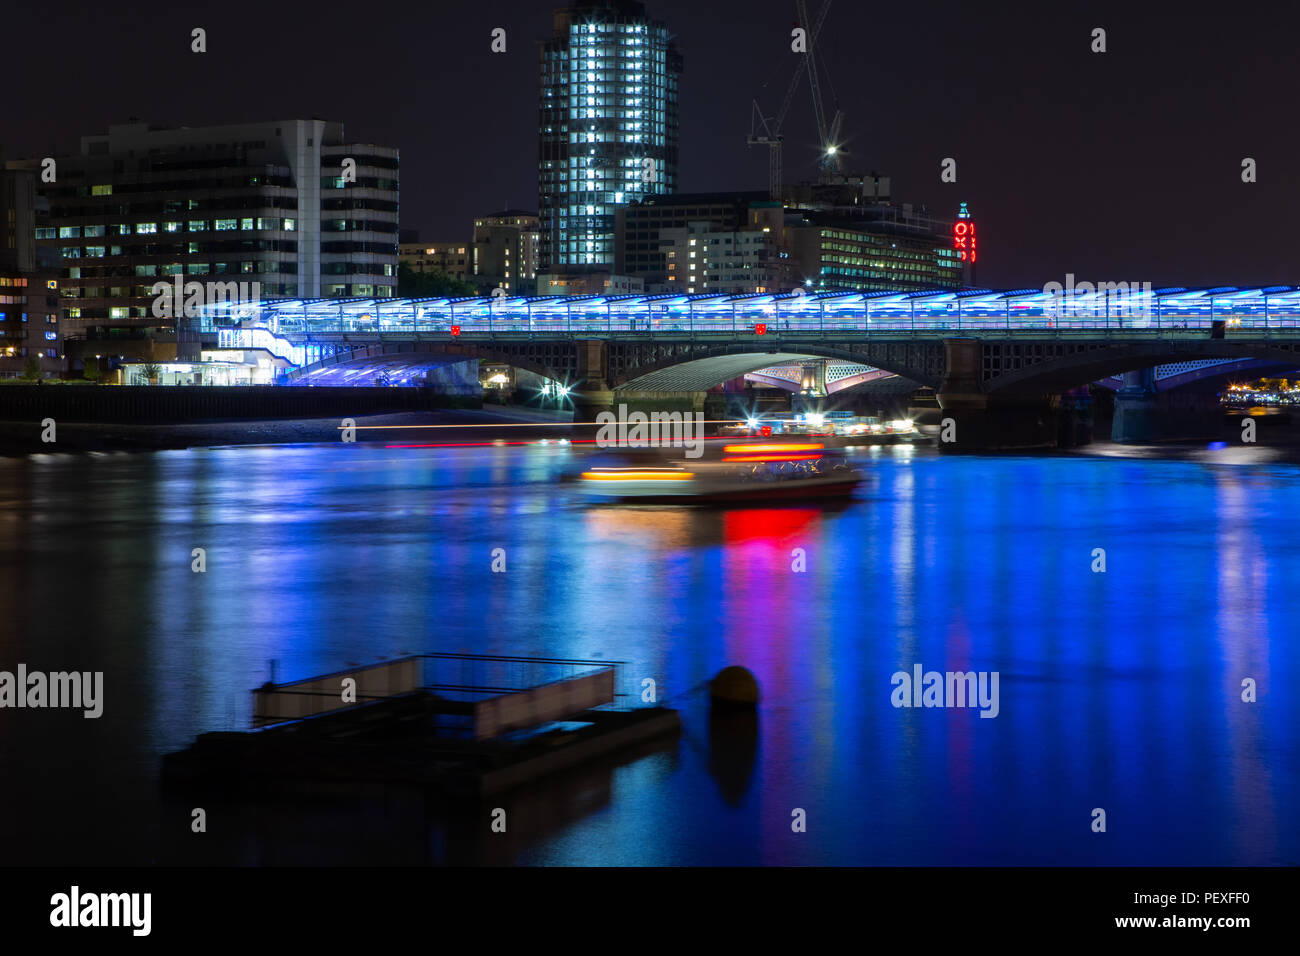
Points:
(766, 131)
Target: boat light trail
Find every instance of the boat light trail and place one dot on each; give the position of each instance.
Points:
(711, 421)
(753, 448)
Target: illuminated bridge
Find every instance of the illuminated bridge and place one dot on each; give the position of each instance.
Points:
(970, 345)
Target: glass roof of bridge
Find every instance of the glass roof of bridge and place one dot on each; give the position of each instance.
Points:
(945, 299)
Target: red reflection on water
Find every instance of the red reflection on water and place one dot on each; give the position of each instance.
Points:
(766, 631)
(766, 524)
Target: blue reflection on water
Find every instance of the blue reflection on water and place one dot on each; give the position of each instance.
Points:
(1119, 690)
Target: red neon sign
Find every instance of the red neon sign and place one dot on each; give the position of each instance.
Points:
(963, 239)
(455, 330)
(760, 328)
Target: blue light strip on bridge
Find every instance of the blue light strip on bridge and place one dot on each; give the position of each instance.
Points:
(1265, 307)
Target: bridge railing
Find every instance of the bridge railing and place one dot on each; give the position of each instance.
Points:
(932, 318)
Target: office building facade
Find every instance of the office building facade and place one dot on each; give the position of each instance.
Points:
(608, 127)
(831, 236)
(643, 228)
(31, 338)
(505, 251)
(873, 249)
(288, 208)
(705, 258)
(451, 258)
(31, 319)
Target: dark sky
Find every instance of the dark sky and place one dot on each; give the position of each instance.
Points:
(1122, 166)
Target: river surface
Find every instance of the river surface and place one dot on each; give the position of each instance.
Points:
(1118, 690)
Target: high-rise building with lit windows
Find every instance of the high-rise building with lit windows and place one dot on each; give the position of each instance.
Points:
(31, 337)
(608, 127)
(291, 205)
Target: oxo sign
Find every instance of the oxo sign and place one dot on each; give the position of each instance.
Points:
(963, 239)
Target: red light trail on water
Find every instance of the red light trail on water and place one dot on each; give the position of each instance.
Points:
(771, 457)
(501, 442)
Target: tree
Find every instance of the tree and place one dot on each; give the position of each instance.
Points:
(151, 371)
(412, 284)
(31, 370)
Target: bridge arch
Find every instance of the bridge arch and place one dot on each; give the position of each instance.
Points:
(416, 354)
(704, 366)
(1080, 365)
(1210, 377)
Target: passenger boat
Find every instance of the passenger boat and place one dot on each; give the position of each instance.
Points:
(753, 471)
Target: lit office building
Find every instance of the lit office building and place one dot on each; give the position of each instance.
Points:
(31, 338)
(506, 246)
(825, 236)
(608, 127)
(451, 258)
(645, 230)
(290, 206)
(890, 248)
(701, 257)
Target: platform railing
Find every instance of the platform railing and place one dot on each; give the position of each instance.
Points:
(499, 692)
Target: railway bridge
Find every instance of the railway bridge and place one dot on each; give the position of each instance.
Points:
(981, 351)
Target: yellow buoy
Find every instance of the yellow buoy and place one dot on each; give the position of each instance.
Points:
(734, 687)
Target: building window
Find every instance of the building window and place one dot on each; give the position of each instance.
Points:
(226, 225)
(146, 228)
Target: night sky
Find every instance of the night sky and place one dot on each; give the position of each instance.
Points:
(1122, 166)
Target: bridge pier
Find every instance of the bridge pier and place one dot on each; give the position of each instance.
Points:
(960, 389)
(814, 377)
(971, 420)
(592, 393)
(1145, 414)
(1136, 415)
(590, 404)
(1075, 418)
(1005, 423)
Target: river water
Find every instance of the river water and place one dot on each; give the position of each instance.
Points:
(1118, 690)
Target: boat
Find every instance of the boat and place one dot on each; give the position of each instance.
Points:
(825, 424)
(751, 471)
